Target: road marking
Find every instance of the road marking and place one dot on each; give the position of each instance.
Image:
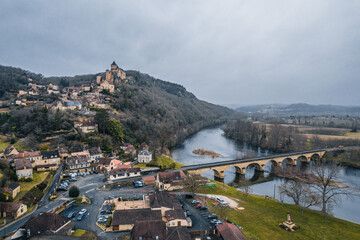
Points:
(90, 190)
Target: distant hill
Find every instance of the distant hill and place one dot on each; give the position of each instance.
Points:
(300, 109)
(149, 109)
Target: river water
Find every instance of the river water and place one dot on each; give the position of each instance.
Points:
(263, 183)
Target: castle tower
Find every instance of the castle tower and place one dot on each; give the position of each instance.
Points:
(114, 67)
(108, 75)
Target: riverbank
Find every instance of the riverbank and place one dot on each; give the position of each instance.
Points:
(261, 216)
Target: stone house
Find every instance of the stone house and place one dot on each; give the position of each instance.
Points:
(79, 163)
(144, 156)
(50, 160)
(120, 173)
(34, 156)
(176, 218)
(95, 154)
(228, 231)
(12, 209)
(23, 168)
(12, 188)
(170, 181)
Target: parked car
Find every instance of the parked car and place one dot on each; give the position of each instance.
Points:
(194, 201)
(213, 221)
(220, 200)
(224, 204)
(80, 217)
(61, 188)
(83, 211)
(212, 216)
(198, 206)
(71, 215)
(188, 195)
(73, 179)
(218, 222)
(203, 208)
(188, 213)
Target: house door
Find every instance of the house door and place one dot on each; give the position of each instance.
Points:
(116, 228)
(179, 223)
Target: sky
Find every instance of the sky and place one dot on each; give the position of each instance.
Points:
(225, 52)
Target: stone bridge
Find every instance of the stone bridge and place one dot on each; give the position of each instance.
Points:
(219, 168)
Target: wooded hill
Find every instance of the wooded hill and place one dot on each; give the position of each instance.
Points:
(153, 111)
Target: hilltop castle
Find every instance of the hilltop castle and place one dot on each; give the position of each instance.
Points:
(113, 76)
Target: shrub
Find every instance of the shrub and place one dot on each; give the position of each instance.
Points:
(108, 222)
(74, 191)
(44, 148)
(12, 141)
(28, 180)
(42, 186)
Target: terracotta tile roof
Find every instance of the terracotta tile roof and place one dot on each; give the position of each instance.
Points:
(148, 230)
(27, 154)
(121, 217)
(171, 176)
(229, 231)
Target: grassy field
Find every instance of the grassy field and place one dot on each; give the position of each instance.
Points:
(261, 217)
(26, 186)
(162, 161)
(3, 145)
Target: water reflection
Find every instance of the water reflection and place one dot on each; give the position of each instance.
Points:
(264, 182)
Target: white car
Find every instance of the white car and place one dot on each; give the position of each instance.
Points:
(83, 211)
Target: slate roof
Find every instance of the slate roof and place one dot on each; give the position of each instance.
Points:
(12, 185)
(95, 151)
(122, 217)
(44, 222)
(229, 231)
(164, 199)
(105, 161)
(175, 214)
(21, 163)
(81, 159)
(124, 170)
(178, 233)
(149, 230)
(146, 153)
(50, 154)
(171, 176)
(9, 206)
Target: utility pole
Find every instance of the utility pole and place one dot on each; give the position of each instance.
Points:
(274, 190)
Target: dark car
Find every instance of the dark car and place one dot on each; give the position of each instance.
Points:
(203, 208)
(188, 195)
(80, 217)
(71, 215)
(61, 188)
(188, 213)
(212, 216)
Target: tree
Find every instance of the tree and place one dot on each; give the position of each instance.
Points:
(246, 188)
(101, 118)
(300, 192)
(325, 177)
(115, 130)
(192, 183)
(74, 191)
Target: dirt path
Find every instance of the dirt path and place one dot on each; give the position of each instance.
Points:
(232, 203)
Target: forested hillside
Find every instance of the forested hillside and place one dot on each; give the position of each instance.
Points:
(150, 110)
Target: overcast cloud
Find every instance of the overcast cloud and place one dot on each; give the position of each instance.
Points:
(225, 52)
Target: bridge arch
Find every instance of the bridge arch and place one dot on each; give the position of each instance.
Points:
(315, 157)
(269, 165)
(287, 162)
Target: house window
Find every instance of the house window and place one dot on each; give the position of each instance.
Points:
(21, 210)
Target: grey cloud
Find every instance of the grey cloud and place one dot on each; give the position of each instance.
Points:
(241, 52)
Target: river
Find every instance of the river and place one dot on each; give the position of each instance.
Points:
(263, 183)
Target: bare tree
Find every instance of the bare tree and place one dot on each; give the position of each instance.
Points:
(246, 188)
(325, 177)
(300, 192)
(192, 183)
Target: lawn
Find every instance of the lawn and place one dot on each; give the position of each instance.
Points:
(261, 217)
(163, 162)
(84, 234)
(26, 186)
(3, 145)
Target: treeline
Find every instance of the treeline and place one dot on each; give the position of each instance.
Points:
(279, 138)
(275, 137)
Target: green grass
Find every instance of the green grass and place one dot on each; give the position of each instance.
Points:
(165, 162)
(3, 145)
(79, 232)
(261, 218)
(141, 165)
(26, 186)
